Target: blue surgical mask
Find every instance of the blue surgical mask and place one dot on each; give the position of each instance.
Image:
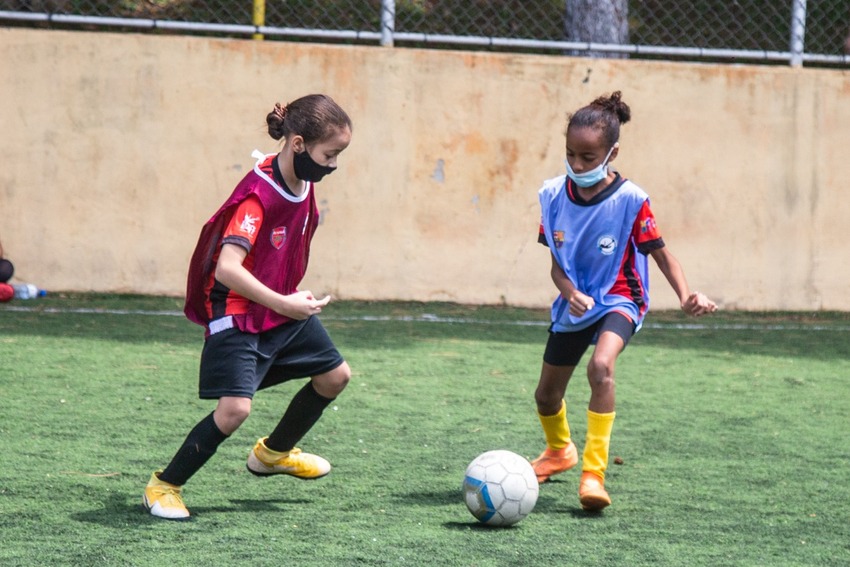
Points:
(592, 177)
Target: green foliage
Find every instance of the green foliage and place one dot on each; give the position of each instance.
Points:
(733, 438)
(756, 25)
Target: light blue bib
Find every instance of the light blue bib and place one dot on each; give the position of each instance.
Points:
(589, 242)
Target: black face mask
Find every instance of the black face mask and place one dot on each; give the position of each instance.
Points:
(308, 170)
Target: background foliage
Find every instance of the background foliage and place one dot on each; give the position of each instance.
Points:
(741, 25)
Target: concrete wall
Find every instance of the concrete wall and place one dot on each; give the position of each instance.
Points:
(117, 147)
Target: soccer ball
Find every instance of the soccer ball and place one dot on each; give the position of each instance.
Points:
(500, 488)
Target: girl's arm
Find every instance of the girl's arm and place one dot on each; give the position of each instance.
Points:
(579, 302)
(693, 303)
(235, 276)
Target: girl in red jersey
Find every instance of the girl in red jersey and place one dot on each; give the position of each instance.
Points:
(260, 329)
(599, 229)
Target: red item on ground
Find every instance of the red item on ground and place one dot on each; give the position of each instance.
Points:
(7, 292)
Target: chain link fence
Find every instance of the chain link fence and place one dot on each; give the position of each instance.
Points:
(767, 31)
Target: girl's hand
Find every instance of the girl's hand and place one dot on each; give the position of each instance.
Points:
(580, 303)
(301, 305)
(698, 304)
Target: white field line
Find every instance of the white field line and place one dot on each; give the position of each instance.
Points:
(427, 318)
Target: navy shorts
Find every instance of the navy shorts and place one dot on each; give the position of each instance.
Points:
(234, 363)
(566, 349)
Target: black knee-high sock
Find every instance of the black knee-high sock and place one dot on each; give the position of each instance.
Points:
(303, 412)
(201, 444)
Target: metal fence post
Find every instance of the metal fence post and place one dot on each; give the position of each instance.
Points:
(798, 32)
(259, 16)
(387, 22)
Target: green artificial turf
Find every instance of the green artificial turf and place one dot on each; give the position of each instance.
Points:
(732, 436)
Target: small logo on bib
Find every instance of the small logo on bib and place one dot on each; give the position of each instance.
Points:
(558, 238)
(607, 245)
(278, 236)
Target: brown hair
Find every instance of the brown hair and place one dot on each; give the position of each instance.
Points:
(605, 114)
(314, 117)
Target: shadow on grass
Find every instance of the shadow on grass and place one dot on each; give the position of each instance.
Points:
(252, 506)
(549, 504)
(118, 512)
(422, 498)
(575, 512)
(562, 503)
(476, 526)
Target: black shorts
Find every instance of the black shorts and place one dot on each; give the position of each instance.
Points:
(566, 349)
(234, 363)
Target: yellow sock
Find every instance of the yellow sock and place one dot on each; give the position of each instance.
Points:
(268, 456)
(599, 426)
(556, 429)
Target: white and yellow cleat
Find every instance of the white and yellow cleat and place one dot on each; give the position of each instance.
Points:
(262, 461)
(163, 499)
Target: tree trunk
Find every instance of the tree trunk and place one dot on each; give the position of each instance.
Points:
(597, 21)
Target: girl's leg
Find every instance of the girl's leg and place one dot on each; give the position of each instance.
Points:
(600, 421)
(277, 453)
(307, 407)
(228, 364)
(560, 454)
(563, 352)
(600, 372)
(552, 387)
(162, 494)
(204, 439)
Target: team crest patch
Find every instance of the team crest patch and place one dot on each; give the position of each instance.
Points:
(647, 225)
(278, 236)
(558, 237)
(607, 245)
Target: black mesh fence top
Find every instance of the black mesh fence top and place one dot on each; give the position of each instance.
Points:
(770, 31)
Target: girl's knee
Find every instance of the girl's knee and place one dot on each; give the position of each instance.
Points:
(548, 401)
(332, 383)
(600, 372)
(341, 376)
(231, 413)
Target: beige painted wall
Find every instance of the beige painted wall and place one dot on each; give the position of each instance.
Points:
(117, 147)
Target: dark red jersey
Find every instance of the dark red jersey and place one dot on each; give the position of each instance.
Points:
(278, 244)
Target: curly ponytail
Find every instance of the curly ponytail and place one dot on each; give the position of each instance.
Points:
(605, 113)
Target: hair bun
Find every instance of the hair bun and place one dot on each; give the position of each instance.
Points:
(615, 104)
(275, 119)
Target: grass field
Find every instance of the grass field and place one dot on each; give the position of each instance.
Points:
(733, 435)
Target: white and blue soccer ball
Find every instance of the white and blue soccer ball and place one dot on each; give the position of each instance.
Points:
(500, 488)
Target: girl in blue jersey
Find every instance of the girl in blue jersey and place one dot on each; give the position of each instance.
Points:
(599, 229)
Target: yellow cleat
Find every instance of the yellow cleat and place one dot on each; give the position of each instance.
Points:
(554, 461)
(262, 461)
(163, 499)
(592, 493)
